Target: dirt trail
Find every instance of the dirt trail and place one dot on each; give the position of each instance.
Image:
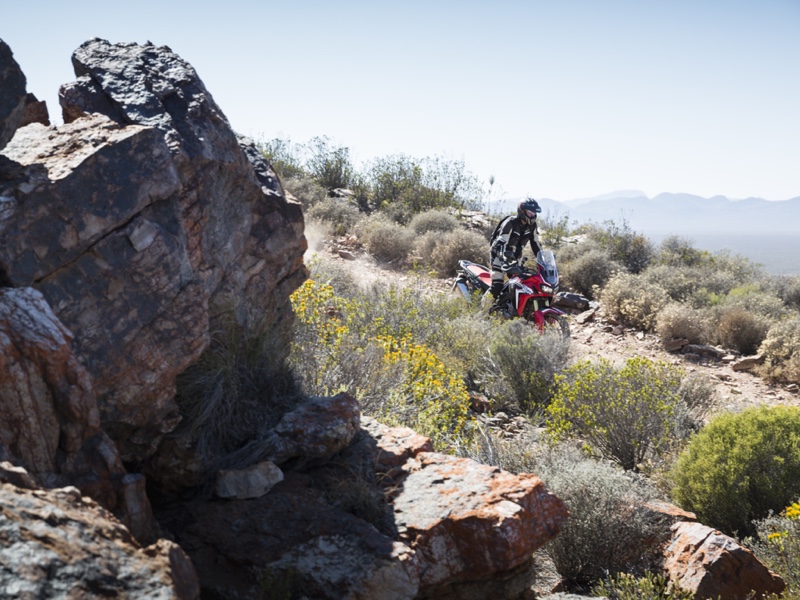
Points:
(735, 390)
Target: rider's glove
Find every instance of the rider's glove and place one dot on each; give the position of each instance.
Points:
(509, 265)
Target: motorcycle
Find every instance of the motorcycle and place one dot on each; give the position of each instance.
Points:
(528, 294)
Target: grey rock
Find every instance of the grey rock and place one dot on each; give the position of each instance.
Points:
(12, 94)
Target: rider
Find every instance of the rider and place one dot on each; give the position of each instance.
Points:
(509, 238)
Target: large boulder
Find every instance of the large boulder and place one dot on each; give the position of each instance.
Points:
(145, 221)
(711, 564)
(58, 544)
(50, 424)
(471, 524)
(12, 94)
(385, 518)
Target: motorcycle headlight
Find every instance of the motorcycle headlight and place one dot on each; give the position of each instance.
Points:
(546, 289)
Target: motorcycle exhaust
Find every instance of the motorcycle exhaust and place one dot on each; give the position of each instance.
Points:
(464, 289)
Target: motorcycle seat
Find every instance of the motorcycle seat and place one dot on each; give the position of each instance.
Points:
(480, 272)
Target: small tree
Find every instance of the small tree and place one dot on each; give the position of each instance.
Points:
(624, 414)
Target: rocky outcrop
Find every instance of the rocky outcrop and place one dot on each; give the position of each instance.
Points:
(12, 94)
(50, 424)
(710, 564)
(58, 544)
(444, 527)
(142, 220)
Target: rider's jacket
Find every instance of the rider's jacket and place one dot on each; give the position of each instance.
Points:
(510, 238)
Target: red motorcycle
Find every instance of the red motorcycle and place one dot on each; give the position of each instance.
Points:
(527, 294)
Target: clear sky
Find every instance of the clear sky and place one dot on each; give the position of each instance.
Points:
(561, 99)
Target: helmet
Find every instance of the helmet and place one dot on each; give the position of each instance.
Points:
(527, 210)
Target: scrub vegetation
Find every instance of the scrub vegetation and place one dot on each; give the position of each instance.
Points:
(606, 437)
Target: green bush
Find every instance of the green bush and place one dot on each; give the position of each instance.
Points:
(433, 220)
(625, 414)
(677, 251)
(781, 350)
(330, 165)
(587, 272)
(527, 361)
(740, 467)
(787, 288)
(284, 157)
(339, 214)
(609, 530)
(680, 284)
(777, 545)
(622, 245)
(634, 301)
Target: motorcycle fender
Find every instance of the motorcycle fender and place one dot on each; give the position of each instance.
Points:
(539, 315)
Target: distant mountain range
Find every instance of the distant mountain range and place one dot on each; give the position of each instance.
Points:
(678, 214)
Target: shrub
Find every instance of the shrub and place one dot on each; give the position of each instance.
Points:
(778, 546)
(609, 530)
(625, 586)
(330, 165)
(632, 250)
(528, 362)
(235, 392)
(366, 344)
(634, 301)
(624, 414)
(306, 189)
(677, 251)
(740, 467)
(781, 350)
(741, 330)
(388, 241)
(787, 288)
(433, 220)
(588, 271)
(340, 214)
(455, 245)
(678, 320)
(284, 157)
(680, 284)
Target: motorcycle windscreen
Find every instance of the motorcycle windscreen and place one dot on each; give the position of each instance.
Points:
(546, 261)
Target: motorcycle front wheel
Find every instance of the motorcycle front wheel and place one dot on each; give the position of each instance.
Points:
(557, 323)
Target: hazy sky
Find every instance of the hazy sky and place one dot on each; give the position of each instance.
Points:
(563, 99)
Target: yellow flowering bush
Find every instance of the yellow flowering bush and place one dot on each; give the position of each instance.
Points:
(349, 344)
(622, 413)
(777, 544)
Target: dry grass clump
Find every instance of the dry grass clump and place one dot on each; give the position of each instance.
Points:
(677, 320)
(741, 330)
(340, 214)
(634, 301)
(433, 220)
(456, 245)
(235, 393)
